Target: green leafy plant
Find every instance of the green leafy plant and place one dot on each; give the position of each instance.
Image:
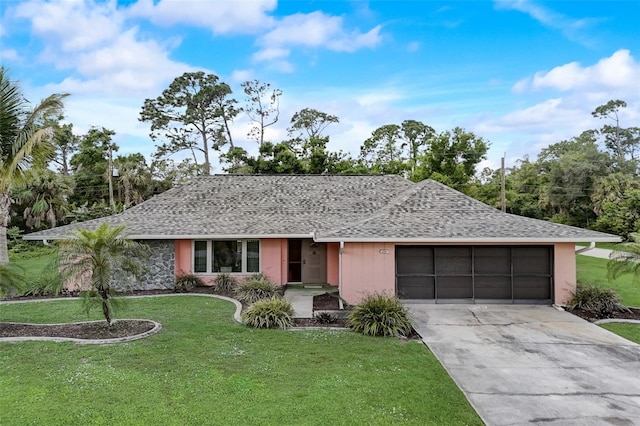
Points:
(11, 280)
(325, 318)
(187, 282)
(94, 257)
(255, 289)
(225, 283)
(269, 313)
(380, 315)
(626, 261)
(602, 302)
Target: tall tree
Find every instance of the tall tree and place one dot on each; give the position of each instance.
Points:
(395, 149)
(90, 166)
(452, 158)
(134, 177)
(193, 114)
(65, 143)
(23, 140)
(623, 143)
(101, 256)
(263, 107)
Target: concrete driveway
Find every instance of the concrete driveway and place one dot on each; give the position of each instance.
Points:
(534, 364)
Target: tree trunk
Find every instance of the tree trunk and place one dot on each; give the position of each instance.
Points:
(5, 203)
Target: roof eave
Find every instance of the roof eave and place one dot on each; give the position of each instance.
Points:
(496, 240)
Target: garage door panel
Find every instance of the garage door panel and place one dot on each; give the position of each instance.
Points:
(492, 260)
(531, 260)
(492, 287)
(531, 287)
(453, 260)
(416, 288)
(454, 287)
(475, 272)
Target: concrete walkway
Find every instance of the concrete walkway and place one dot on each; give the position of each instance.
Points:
(522, 365)
(596, 252)
(302, 299)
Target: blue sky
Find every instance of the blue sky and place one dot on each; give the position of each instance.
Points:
(521, 74)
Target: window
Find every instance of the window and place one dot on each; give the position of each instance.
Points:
(226, 256)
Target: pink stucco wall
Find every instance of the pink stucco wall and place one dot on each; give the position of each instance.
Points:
(182, 257)
(273, 259)
(333, 261)
(565, 272)
(367, 268)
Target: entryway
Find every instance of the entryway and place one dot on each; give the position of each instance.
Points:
(307, 261)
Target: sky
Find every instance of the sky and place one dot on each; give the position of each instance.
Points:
(522, 74)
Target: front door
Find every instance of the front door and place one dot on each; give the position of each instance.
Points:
(307, 261)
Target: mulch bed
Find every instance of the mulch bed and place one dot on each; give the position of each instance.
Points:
(89, 330)
(326, 302)
(634, 314)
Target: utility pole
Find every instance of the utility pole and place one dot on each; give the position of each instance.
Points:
(110, 177)
(503, 195)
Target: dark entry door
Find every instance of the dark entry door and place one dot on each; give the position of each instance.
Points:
(307, 262)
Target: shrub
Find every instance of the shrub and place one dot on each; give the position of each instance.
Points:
(269, 313)
(380, 315)
(602, 302)
(186, 283)
(326, 318)
(225, 283)
(255, 289)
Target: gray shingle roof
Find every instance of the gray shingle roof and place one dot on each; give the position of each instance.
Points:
(349, 208)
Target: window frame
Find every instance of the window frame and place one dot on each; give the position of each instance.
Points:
(210, 257)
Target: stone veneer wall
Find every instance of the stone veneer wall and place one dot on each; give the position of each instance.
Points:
(160, 268)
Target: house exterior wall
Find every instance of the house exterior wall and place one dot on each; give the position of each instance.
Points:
(564, 272)
(273, 261)
(369, 268)
(333, 262)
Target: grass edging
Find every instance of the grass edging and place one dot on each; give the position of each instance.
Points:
(156, 328)
(236, 314)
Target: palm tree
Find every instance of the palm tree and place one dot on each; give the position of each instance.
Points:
(627, 261)
(99, 256)
(23, 140)
(134, 176)
(44, 197)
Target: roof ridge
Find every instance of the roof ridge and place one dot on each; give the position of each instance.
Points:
(402, 197)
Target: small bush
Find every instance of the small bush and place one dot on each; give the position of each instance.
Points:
(269, 313)
(186, 283)
(255, 289)
(602, 302)
(380, 315)
(326, 318)
(225, 283)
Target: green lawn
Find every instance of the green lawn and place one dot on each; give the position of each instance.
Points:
(34, 264)
(626, 330)
(591, 270)
(204, 368)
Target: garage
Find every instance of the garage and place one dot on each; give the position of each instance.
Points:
(480, 274)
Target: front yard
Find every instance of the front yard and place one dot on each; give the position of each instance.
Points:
(204, 368)
(591, 270)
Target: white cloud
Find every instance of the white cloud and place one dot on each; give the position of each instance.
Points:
(221, 17)
(572, 28)
(240, 76)
(577, 91)
(313, 30)
(9, 55)
(73, 25)
(106, 55)
(619, 74)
